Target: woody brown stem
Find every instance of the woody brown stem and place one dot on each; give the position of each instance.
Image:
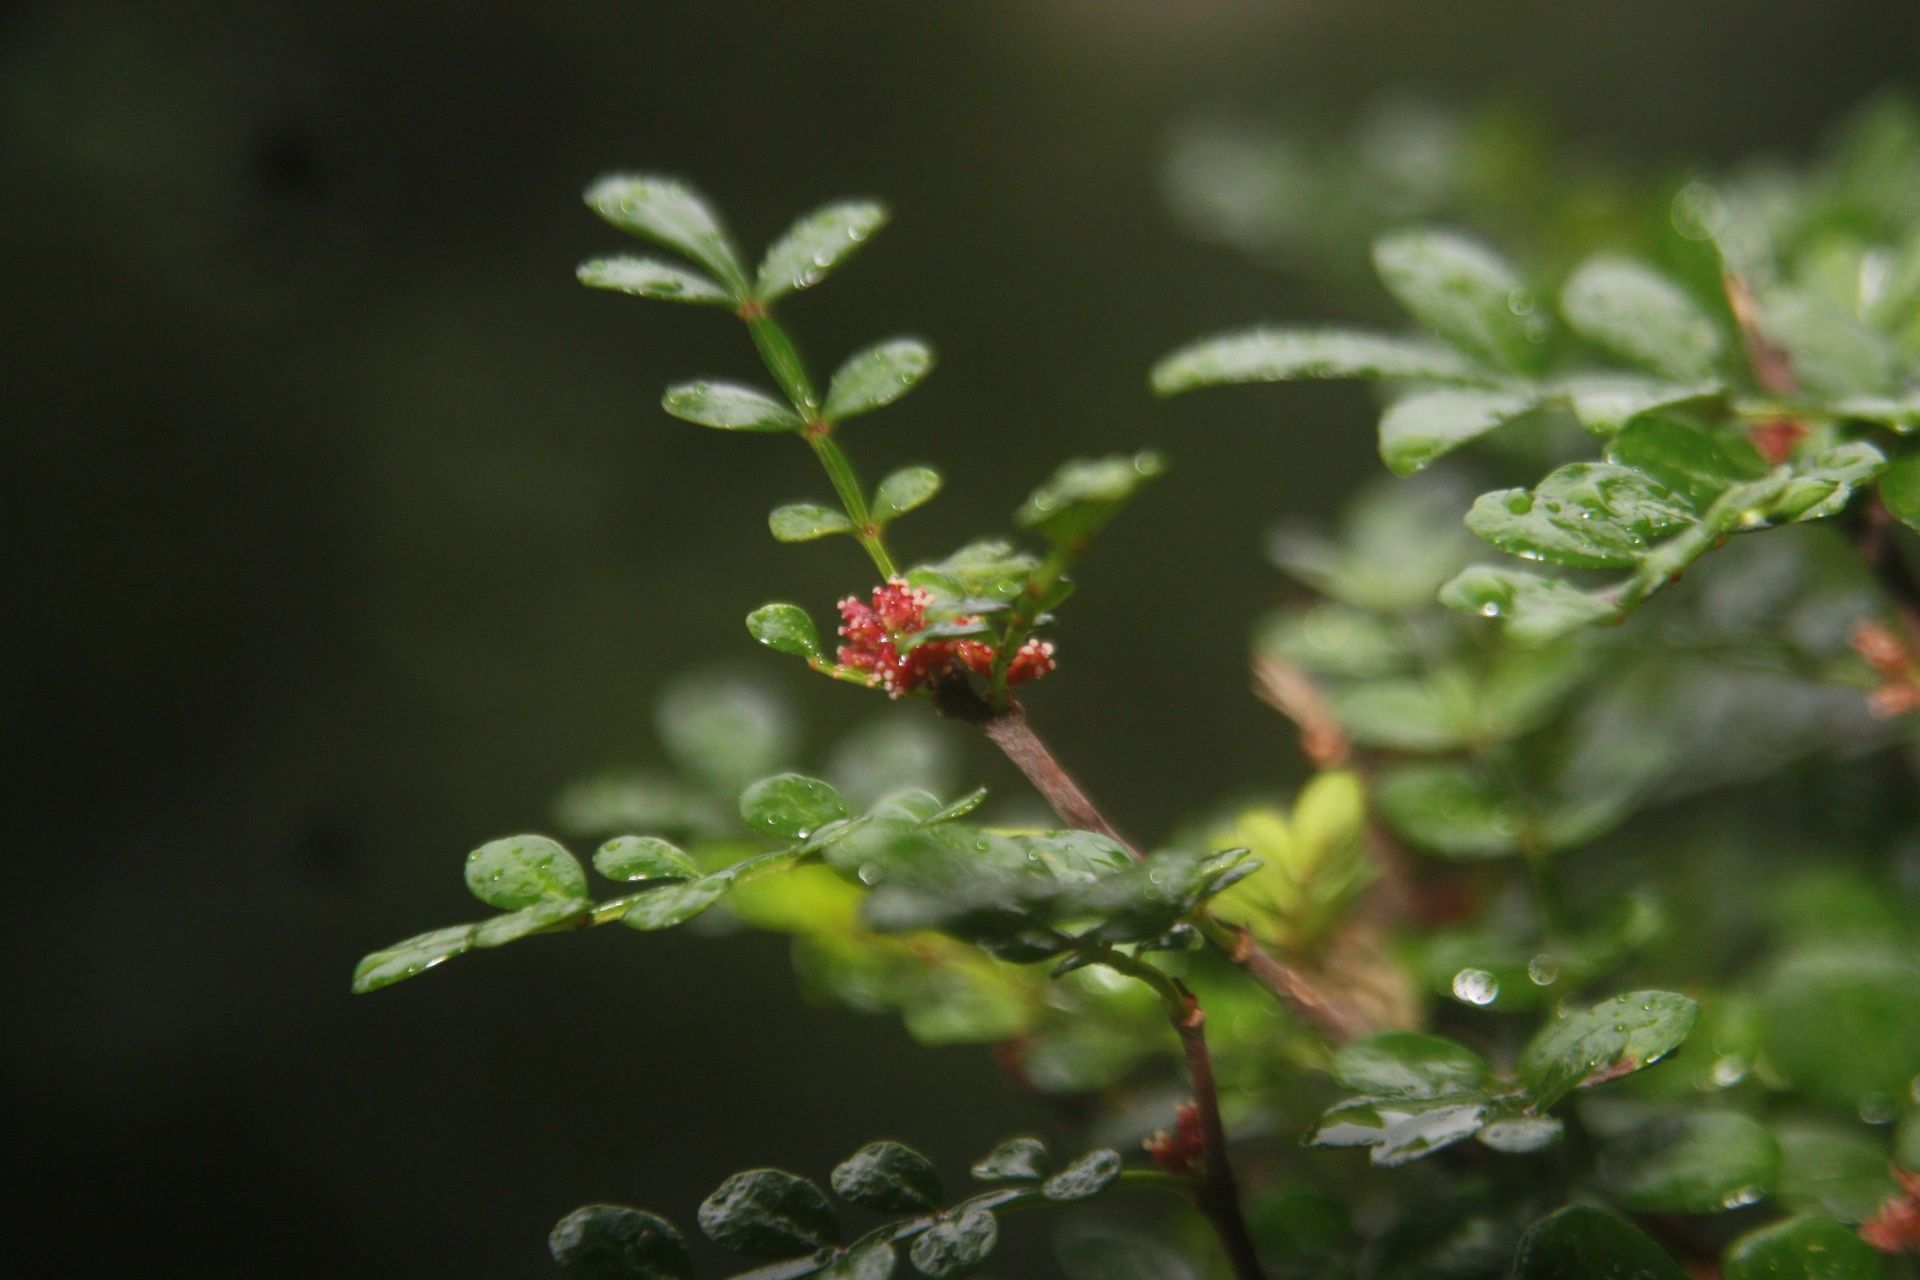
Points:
(1219, 1197)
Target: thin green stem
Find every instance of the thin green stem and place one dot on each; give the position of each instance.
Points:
(789, 371)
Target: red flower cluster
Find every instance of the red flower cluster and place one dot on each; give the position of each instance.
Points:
(1896, 1228)
(873, 634)
(1178, 1152)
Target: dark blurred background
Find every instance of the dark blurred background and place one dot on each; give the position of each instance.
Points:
(347, 530)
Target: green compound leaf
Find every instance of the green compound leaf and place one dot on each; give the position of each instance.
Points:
(1015, 1160)
(1584, 1243)
(815, 245)
(643, 858)
(608, 1242)
(1288, 355)
(1808, 1248)
(1449, 809)
(786, 628)
(675, 904)
(670, 213)
(1822, 486)
(904, 490)
(651, 278)
(728, 406)
(1086, 493)
(1534, 609)
(1701, 1162)
(769, 1213)
(520, 871)
(1091, 1174)
(1427, 425)
(890, 1177)
(805, 521)
(1612, 1039)
(1900, 489)
(1461, 291)
(1695, 464)
(877, 377)
(1588, 515)
(955, 1245)
(790, 806)
(411, 956)
(1638, 314)
(1408, 1064)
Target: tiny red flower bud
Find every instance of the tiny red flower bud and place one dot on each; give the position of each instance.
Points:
(877, 639)
(1178, 1152)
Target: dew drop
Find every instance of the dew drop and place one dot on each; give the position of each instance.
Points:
(1543, 969)
(1475, 986)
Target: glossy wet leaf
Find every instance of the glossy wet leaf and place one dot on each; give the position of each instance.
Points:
(1837, 1169)
(1409, 1064)
(1581, 1242)
(1638, 314)
(1533, 608)
(522, 870)
(1521, 1135)
(675, 904)
(1091, 1174)
(608, 1242)
(890, 1177)
(1084, 494)
(1900, 412)
(527, 921)
(668, 212)
(805, 521)
(790, 806)
(1610, 1039)
(1698, 1162)
(1696, 464)
(955, 1245)
(1015, 1160)
(877, 376)
(728, 406)
(1807, 1248)
(1900, 489)
(1587, 515)
(1842, 1022)
(1823, 484)
(904, 490)
(412, 956)
(1605, 402)
(652, 278)
(1398, 1131)
(1286, 355)
(1423, 427)
(769, 1213)
(815, 245)
(1449, 809)
(643, 858)
(786, 628)
(1462, 291)
(868, 1260)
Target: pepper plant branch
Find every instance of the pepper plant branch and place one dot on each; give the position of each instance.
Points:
(1219, 1193)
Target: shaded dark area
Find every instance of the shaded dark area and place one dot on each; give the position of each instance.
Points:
(348, 531)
